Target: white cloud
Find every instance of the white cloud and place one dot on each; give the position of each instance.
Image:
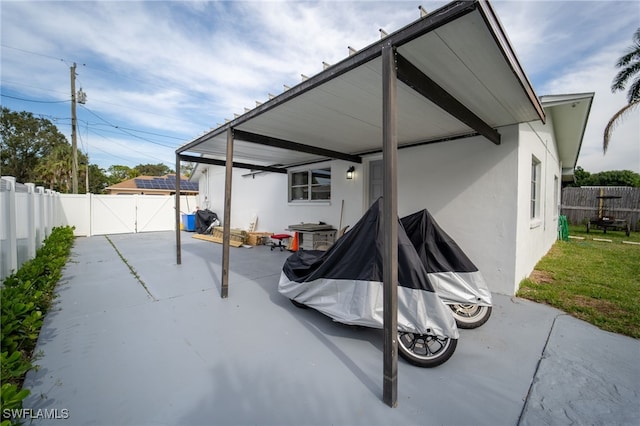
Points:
(572, 47)
(181, 67)
(594, 74)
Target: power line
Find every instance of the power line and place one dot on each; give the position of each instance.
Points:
(93, 124)
(148, 133)
(11, 83)
(87, 124)
(126, 132)
(121, 129)
(33, 100)
(34, 53)
(128, 148)
(172, 86)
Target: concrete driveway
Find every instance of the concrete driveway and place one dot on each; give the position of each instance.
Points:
(135, 339)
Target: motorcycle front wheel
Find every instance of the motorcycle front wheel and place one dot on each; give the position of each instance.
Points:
(470, 316)
(425, 350)
(298, 304)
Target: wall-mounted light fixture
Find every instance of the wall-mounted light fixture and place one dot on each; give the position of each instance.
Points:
(350, 171)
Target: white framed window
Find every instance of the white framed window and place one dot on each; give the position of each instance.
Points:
(535, 187)
(310, 185)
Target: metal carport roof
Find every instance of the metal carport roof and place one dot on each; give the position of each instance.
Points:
(450, 74)
(461, 47)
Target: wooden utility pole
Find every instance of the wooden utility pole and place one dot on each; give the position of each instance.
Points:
(74, 142)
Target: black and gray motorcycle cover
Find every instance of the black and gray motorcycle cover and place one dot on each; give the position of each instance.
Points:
(346, 283)
(204, 219)
(455, 278)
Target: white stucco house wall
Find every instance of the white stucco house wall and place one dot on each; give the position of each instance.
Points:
(444, 105)
(499, 202)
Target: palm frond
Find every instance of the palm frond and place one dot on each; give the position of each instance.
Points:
(633, 52)
(633, 95)
(620, 80)
(629, 65)
(615, 120)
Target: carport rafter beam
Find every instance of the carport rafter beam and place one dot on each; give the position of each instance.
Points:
(294, 146)
(410, 75)
(216, 162)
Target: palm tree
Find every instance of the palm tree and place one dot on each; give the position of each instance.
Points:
(630, 64)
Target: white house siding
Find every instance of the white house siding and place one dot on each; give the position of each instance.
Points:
(265, 195)
(469, 185)
(535, 237)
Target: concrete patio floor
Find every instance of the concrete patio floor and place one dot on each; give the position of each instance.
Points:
(165, 349)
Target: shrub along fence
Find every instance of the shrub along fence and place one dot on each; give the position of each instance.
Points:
(582, 204)
(26, 298)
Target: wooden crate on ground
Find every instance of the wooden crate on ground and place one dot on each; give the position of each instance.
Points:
(238, 236)
(257, 238)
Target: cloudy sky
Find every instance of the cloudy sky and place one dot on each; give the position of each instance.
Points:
(158, 74)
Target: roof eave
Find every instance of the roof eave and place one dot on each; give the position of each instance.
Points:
(500, 36)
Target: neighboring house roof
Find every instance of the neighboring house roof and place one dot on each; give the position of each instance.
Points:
(569, 114)
(457, 76)
(158, 185)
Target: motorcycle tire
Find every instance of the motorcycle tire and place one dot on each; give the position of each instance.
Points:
(298, 304)
(424, 350)
(470, 316)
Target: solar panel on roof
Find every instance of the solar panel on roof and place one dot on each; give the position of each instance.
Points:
(167, 183)
(142, 183)
(192, 186)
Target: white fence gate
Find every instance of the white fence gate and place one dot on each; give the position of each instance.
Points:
(28, 213)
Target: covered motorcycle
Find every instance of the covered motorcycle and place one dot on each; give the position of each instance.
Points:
(454, 277)
(346, 284)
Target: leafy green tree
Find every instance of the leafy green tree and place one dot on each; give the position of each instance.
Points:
(159, 169)
(614, 178)
(607, 178)
(187, 169)
(629, 73)
(118, 173)
(581, 176)
(54, 171)
(98, 180)
(24, 141)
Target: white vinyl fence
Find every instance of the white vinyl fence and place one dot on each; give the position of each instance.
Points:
(29, 213)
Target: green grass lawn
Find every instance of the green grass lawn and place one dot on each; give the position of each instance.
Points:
(593, 280)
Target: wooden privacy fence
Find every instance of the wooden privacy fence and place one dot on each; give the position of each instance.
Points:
(581, 204)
